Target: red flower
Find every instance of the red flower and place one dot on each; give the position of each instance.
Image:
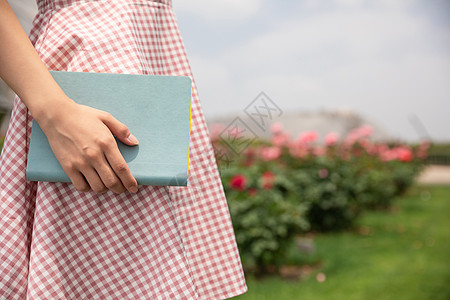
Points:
(404, 154)
(267, 180)
(238, 182)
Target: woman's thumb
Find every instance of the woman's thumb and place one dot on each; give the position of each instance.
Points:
(131, 140)
(120, 131)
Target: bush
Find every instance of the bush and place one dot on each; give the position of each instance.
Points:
(325, 185)
(265, 213)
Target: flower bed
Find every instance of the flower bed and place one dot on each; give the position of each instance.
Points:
(282, 187)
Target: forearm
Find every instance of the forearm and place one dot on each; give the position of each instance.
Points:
(81, 137)
(23, 70)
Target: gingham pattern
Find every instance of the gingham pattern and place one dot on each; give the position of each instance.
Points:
(161, 243)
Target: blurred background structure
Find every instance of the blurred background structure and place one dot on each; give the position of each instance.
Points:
(321, 121)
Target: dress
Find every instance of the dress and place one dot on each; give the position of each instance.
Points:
(161, 243)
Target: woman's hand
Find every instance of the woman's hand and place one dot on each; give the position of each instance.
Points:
(82, 140)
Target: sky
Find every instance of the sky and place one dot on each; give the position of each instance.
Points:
(388, 60)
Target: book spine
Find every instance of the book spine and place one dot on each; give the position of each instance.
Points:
(177, 180)
(47, 175)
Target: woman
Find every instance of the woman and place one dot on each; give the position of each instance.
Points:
(102, 236)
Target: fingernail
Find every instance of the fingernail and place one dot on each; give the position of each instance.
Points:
(133, 189)
(132, 139)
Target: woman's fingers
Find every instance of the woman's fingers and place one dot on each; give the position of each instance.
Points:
(124, 179)
(99, 179)
(94, 181)
(120, 167)
(97, 174)
(108, 177)
(79, 181)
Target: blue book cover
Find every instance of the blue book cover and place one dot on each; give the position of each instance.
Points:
(156, 109)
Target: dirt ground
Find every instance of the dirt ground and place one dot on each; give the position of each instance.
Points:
(433, 174)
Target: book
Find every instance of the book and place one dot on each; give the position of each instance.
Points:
(156, 109)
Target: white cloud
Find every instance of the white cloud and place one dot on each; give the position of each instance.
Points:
(349, 3)
(384, 63)
(386, 4)
(218, 10)
(360, 35)
(215, 79)
(397, 4)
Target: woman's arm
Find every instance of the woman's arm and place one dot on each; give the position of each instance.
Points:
(81, 137)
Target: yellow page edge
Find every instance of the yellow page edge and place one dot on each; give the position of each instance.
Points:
(189, 146)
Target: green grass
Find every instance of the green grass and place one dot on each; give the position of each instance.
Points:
(400, 254)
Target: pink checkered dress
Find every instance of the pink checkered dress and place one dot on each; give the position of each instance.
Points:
(161, 243)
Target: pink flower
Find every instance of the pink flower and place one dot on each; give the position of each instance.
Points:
(381, 148)
(280, 139)
(371, 149)
(319, 151)
(270, 153)
(365, 130)
(387, 155)
(422, 150)
(268, 179)
(235, 132)
(358, 133)
(401, 153)
(298, 151)
(351, 138)
(238, 182)
(276, 128)
(331, 138)
(307, 137)
(216, 130)
(425, 144)
(364, 142)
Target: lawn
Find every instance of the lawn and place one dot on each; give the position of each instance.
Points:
(400, 254)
